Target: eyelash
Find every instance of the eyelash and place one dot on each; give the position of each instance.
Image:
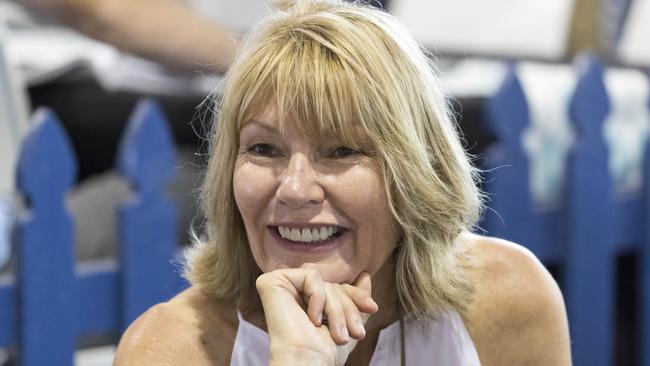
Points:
(268, 150)
(336, 152)
(265, 150)
(256, 149)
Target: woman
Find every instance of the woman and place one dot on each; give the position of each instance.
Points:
(338, 203)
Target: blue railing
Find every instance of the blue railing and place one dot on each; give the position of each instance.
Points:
(53, 303)
(590, 228)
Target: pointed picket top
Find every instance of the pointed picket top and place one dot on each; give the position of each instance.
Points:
(507, 110)
(146, 154)
(147, 220)
(45, 246)
(506, 177)
(47, 166)
(589, 104)
(590, 267)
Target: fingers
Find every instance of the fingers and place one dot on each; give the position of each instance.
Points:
(353, 315)
(361, 297)
(363, 282)
(345, 306)
(314, 289)
(336, 317)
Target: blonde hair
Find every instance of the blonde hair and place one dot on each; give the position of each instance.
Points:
(346, 70)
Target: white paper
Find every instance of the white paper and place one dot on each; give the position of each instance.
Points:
(634, 46)
(536, 28)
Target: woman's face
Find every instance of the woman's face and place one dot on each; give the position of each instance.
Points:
(311, 200)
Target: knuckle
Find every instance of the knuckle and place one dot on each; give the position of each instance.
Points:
(262, 280)
(329, 289)
(344, 291)
(313, 273)
(350, 308)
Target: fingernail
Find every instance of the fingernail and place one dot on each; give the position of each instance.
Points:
(360, 328)
(320, 318)
(344, 332)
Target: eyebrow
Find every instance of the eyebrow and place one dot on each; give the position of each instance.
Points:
(261, 125)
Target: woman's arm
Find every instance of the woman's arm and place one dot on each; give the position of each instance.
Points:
(517, 316)
(166, 31)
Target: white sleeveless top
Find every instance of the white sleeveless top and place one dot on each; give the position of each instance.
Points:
(444, 342)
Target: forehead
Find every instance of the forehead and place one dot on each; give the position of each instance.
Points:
(266, 116)
(309, 127)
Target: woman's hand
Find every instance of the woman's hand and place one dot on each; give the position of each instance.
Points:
(299, 336)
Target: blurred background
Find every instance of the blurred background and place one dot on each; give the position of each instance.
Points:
(90, 61)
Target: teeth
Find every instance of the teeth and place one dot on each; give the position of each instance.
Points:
(324, 232)
(295, 234)
(308, 235)
(315, 235)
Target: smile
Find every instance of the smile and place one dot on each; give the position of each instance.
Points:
(314, 235)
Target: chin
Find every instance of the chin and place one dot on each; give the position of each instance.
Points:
(337, 276)
(330, 272)
(337, 273)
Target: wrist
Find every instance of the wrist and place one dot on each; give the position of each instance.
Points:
(298, 356)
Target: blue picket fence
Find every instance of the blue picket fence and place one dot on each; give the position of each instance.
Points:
(52, 303)
(584, 236)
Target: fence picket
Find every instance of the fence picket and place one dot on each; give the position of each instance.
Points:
(147, 219)
(507, 177)
(589, 272)
(45, 256)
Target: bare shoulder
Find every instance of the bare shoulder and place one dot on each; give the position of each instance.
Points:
(517, 316)
(190, 329)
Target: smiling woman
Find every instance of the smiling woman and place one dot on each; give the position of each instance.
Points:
(288, 186)
(339, 203)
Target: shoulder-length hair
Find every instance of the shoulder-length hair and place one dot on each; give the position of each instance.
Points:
(346, 70)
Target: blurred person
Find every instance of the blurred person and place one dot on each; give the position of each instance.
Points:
(338, 204)
(188, 35)
(166, 31)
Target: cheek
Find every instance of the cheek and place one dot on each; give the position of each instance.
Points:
(366, 194)
(378, 230)
(251, 189)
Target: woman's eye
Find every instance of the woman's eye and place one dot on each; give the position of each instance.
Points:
(344, 151)
(262, 150)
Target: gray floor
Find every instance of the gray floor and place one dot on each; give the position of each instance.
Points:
(98, 356)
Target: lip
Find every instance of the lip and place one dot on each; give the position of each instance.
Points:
(307, 248)
(311, 225)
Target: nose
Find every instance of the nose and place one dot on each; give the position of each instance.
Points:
(299, 184)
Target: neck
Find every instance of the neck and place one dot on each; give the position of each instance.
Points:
(384, 294)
